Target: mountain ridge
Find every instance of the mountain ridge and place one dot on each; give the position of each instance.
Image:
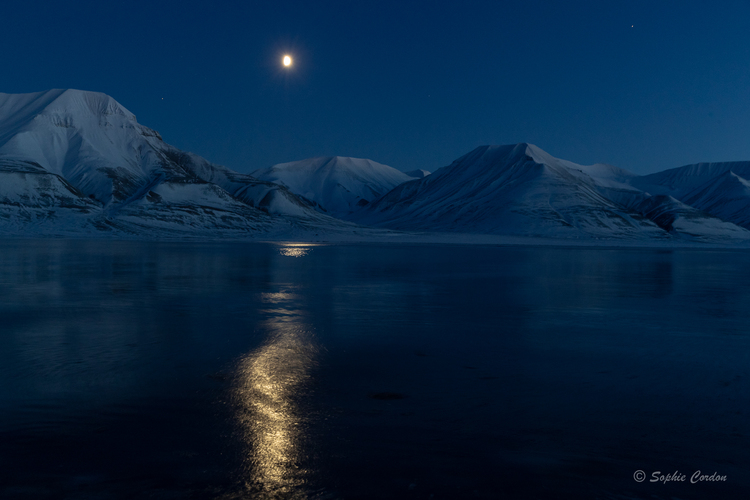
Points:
(519, 189)
(102, 162)
(75, 161)
(337, 184)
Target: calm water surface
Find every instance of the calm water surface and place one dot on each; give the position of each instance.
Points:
(228, 371)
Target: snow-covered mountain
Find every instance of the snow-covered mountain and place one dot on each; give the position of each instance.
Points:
(81, 158)
(521, 190)
(719, 189)
(339, 185)
(75, 162)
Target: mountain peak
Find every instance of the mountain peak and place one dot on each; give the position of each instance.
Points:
(491, 153)
(419, 173)
(339, 184)
(16, 109)
(88, 138)
(97, 103)
(329, 162)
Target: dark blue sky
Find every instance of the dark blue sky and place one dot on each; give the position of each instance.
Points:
(409, 84)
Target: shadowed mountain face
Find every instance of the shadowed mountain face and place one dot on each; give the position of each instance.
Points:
(79, 160)
(74, 161)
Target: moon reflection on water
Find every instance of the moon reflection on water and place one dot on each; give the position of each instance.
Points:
(269, 381)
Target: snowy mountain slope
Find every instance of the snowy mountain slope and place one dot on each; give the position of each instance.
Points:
(599, 174)
(74, 162)
(85, 137)
(515, 189)
(31, 197)
(27, 184)
(418, 174)
(70, 149)
(522, 190)
(680, 181)
(200, 207)
(719, 189)
(677, 218)
(338, 184)
(267, 196)
(727, 196)
(685, 221)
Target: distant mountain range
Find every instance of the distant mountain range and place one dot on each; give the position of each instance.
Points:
(78, 163)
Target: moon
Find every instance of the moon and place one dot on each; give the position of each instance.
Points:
(287, 61)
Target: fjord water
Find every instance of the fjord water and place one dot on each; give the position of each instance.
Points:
(189, 370)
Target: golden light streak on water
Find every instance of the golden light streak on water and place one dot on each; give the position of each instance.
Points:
(269, 382)
(296, 249)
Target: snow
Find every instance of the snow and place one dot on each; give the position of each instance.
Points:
(680, 181)
(78, 163)
(86, 150)
(81, 136)
(521, 190)
(340, 185)
(719, 189)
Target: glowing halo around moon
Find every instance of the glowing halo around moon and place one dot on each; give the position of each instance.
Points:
(287, 61)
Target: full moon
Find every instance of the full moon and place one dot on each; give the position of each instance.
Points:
(287, 61)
